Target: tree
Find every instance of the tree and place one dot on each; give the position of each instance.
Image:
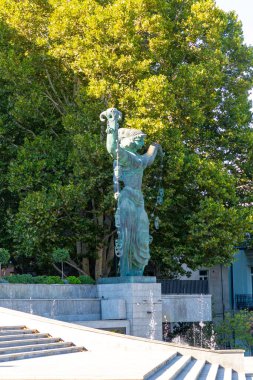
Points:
(180, 71)
(4, 258)
(236, 330)
(59, 256)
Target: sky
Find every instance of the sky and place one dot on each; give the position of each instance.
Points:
(244, 9)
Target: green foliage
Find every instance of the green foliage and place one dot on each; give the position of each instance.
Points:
(178, 70)
(20, 279)
(86, 280)
(236, 330)
(29, 279)
(51, 280)
(4, 256)
(60, 255)
(73, 280)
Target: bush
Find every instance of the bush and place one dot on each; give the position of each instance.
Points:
(52, 280)
(47, 280)
(73, 280)
(40, 279)
(29, 279)
(236, 330)
(20, 279)
(87, 280)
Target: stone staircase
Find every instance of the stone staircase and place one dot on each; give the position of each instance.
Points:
(18, 342)
(181, 367)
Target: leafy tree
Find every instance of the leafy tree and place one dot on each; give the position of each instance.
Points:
(4, 258)
(60, 255)
(236, 330)
(179, 70)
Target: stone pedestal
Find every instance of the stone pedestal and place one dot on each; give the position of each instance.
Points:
(143, 303)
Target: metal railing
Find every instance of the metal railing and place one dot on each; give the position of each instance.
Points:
(244, 301)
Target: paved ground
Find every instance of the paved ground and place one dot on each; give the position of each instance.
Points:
(83, 366)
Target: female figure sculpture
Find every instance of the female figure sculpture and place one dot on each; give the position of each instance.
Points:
(131, 218)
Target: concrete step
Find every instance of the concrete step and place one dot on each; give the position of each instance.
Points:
(172, 369)
(12, 327)
(160, 366)
(212, 371)
(23, 336)
(186, 368)
(35, 354)
(31, 344)
(24, 342)
(193, 370)
(33, 347)
(17, 332)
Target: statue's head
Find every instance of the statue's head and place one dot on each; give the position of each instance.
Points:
(133, 139)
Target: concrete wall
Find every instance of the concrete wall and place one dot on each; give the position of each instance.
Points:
(219, 287)
(50, 300)
(42, 291)
(69, 311)
(140, 304)
(186, 308)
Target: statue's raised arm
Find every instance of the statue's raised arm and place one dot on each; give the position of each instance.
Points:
(131, 220)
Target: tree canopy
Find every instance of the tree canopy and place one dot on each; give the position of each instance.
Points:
(180, 71)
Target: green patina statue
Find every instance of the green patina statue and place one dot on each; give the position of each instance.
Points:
(132, 245)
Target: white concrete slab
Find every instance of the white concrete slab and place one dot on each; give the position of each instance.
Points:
(109, 356)
(83, 366)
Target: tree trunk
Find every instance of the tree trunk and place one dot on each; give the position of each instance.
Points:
(81, 250)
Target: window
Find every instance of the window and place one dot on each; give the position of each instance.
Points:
(203, 274)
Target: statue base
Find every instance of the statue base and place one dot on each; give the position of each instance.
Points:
(135, 298)
(127, 280)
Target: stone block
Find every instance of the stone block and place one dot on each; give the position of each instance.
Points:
(113, 308)
(143, 305)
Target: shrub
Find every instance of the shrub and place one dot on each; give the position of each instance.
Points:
(52, 280)
(20, 279)
(40, 279)
(73, 280)
(29, 279)
(86, 280)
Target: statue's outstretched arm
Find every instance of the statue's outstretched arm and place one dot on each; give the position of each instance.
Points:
(150, 156)
(113, 116)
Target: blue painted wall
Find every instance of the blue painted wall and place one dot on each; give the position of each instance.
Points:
(240, 278)
(242, 274)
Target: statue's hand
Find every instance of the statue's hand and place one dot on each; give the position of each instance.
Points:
(158, 147)
(116, 195)
(113, 116)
